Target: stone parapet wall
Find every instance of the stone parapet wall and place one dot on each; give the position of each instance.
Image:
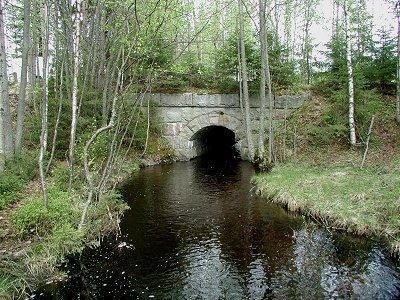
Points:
(221, 100)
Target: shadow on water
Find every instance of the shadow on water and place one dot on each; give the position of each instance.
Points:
(195, 231)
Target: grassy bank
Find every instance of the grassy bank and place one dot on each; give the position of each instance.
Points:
(363, 201)
(318, 175)
(34, 240)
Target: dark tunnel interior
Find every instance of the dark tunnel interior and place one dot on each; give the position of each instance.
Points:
(215, 141)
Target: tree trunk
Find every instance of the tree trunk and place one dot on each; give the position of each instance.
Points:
(398, 67)
(352, 125)
(263, 98)
(7, 136)
(24, 75)
(44, 131)
(74, 120)
(245, 84)
(3, 79)
(60, 103)
(105, 128)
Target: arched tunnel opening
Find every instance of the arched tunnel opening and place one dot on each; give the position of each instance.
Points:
(215, 141)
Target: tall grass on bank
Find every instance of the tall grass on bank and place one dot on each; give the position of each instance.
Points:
(363, 201)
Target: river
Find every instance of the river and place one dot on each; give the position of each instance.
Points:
(197, 231)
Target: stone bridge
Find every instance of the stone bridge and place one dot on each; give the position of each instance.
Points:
(187, 119)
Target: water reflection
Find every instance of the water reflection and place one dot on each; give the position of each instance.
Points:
(196, 232)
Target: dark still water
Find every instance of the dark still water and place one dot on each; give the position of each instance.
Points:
(196, 231)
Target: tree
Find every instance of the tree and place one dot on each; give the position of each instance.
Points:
(309, 11)
(397, 8)
(7, 136)
(265, 82)
(350, 78)
(245, 87)
(45, 101)
(74, 120)
(24, 76)
(3, 79)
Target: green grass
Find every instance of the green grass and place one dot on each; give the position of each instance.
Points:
(52, 233)
(362, 201)
(5, 286)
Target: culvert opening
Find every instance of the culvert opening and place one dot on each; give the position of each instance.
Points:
(215, 141)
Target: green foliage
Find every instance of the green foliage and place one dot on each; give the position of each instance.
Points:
(60, 176)
(19, 171)
(380, 72)
(11, 187)
(32, 216)
(374, 75)
(282, 68)
(64, 239)
(100, 221)
(24, 165)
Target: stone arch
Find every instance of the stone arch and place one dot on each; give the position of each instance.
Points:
(215, 118)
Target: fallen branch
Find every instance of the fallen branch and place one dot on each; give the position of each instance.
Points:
(367, 143)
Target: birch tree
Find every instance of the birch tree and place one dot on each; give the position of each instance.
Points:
(265, 83)
(350, 80)
(7, 134)
(45, 100)
(263, 98)
(74, 121)
(397, 9)
(246, 99)
(24, 76)
(3, 79)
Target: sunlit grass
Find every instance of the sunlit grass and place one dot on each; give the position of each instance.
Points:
(365, 201)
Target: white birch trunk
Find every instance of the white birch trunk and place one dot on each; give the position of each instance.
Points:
(24, 77)
(245, 84)
(74, 121)
(7, 134)
(3, 78)
(398, 67)
(352, 126)
(44, 131)
(263, 98)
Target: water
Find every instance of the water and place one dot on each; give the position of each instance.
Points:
(196, 231)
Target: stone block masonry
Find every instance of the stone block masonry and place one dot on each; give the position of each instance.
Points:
(182, 115)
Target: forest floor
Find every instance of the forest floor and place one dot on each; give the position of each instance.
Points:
(327, 183)
(34, 241)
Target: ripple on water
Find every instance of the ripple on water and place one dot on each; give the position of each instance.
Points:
(196, 232)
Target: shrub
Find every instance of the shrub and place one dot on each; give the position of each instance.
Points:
(60, 176)
(100, 219)
(64, 238)
(327, 134)
(24, 165)
(19, 171)
(11, 187)
(33, 216)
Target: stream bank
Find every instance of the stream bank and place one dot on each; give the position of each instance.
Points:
(35, 241)
(197, 230)
(342, 197)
